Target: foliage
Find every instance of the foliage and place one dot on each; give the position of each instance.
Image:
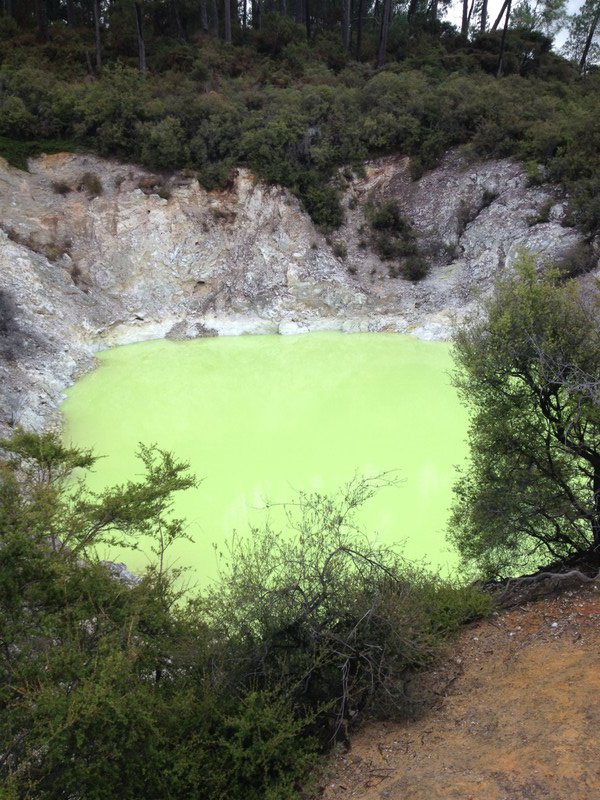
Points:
(91, 184)
(336, 620)
(17, 152)
(394, 240)
(103, 691)
(583, 43)
(295, 109)
(121, 687)
(528, 370)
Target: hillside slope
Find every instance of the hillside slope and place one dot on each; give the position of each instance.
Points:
(517, 716)
(95, 253)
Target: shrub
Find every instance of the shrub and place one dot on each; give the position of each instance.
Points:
(415, 268)
(393, 239)
(163, 144)
(580, 259)
(387, 217)
(61, 187)
(50, 250)
(15, 119)
(340, 250)
(128, 690)
(323, 205)
(91, 184)
(323, 613)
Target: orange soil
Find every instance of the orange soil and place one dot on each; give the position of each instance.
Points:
(519, 718)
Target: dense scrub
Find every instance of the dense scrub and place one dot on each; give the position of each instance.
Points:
(295, 110)
(111, 688)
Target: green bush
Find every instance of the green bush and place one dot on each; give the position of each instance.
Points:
(112, 682)
(15, 119)
(296, 111)
(133, 689)
(415, 268)
(91, 184)
(393, 239)
(323, 204)
(163, 144)
(340, 250)
(333, 619)
(387, 217)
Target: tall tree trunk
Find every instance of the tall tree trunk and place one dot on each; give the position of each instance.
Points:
(244, 14)
(41, 16)
(97, 39)
(434, 10)
(359, 29)
(283, 8)
(7, 7)
(471, 9)
(70, 13)
(464, 28)
(412, 10)
(300, 12)
(346, 24)
(503, 41)
(227, 20)
(588, 41)
(596, 499)
(214, 22)
(307, 19)
(499, 17)
(139, 29)
(484, 13)
(204, 15)
(177, 18)
(383, 32)
(257, 15)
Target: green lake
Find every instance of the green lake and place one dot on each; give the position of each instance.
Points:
(262, 416)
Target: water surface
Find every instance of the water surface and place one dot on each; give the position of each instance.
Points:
(261, 416)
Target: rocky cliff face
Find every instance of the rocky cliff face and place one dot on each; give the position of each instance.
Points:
(95, 253)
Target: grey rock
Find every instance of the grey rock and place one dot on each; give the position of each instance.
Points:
(81, 274)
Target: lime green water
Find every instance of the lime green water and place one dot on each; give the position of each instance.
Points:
(261, 416)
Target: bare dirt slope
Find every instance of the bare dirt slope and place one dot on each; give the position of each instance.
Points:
(518, 716)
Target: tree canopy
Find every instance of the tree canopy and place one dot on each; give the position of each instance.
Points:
(300, 106)
(528, 369)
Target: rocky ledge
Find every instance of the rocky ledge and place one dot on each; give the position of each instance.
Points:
(95, 253)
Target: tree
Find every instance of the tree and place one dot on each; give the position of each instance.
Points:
(359, 29)
(503, 40)
(384, 28)
(139, 30)
(545, 16)
(346, 8)
(41, 12)
(583, 44)
(227, 20)
(464, 26)
(97, 38)
(528, 369)
(483, 16)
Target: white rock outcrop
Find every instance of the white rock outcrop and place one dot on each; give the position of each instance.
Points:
(80, 273)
